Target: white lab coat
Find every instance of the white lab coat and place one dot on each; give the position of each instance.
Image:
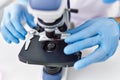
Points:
(91, 9)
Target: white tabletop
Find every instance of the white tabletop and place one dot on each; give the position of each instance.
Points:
(12, 69)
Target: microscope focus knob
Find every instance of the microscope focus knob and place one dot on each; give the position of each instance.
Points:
(63, 28)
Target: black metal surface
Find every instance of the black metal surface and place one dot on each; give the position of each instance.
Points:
(39, 28)
(63, 28)
(50, 34)
(37, 54)
(74, 10)
(52, 70)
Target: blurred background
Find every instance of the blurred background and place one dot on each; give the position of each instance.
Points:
(12, 69)
(3, 3)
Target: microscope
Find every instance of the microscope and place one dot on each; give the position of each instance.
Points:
(45, 43)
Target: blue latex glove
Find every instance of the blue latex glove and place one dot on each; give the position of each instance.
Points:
(109, 1)
(103, 32)
(22, 1)
(11, 26)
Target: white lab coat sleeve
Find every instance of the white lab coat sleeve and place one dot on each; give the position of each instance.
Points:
(119, 10)
(88, 10)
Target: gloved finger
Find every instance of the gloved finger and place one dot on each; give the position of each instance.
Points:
(109, 52)
(8, 20)
(81, 27)
(6, 39)
(80, 45)
(108, 55)
(13, 31)
(103, 59)
(91, 58)
(109, 1)
(18, 26)
(8, 36)
(30, 20)
(2, 28)
(4, 19)
(86, 33)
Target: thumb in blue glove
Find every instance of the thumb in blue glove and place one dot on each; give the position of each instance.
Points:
(103, 32)
(11, 26)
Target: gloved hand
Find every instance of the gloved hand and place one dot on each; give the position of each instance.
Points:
(11, 26)
(109, 1)
(103, 32)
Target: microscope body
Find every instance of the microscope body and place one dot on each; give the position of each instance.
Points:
(45, 44)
